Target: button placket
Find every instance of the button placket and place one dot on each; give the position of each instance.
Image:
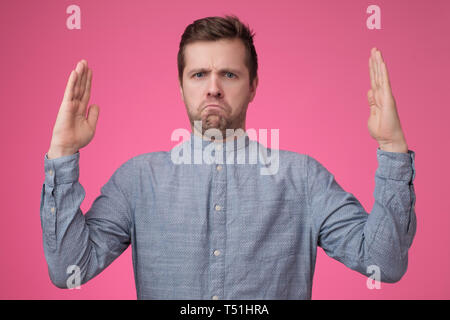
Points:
(218, 200)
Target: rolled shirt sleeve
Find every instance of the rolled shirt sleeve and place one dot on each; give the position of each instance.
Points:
(356, 238)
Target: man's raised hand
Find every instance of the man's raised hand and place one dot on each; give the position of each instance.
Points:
(384, 122)
(73, 130)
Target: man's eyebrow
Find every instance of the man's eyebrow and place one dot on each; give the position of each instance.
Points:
(236, 71)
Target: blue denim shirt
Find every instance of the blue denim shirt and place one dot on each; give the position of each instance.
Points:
(226, 231)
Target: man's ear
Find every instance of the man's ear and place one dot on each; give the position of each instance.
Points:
(253, 88)
(181, 90)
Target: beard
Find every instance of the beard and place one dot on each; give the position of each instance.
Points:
(215, 119)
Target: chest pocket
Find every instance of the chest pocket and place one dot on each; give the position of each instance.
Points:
(269, 229)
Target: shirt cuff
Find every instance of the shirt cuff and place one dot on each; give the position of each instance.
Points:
(396, 165)
(62, 170)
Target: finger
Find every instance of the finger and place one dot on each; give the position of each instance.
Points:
(378, 64)
(87, 92)
(371, 98)
(92, 117)
(384, 78)
(78, 69)
(68, 93)
(385, 75)
(380, 56)
(372, 74)
(83, 78)
(373, 110)
(374, 66)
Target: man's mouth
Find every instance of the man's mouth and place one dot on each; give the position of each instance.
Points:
(213, 107)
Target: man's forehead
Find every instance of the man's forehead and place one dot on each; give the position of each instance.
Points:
(219, 54)
(221, 44)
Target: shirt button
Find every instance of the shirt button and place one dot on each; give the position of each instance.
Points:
(52, 209)
(217, 253)
(217, 207)
(50, 172)
(215, 298)
(219, 167)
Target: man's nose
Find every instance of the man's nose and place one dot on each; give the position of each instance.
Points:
(214, 88)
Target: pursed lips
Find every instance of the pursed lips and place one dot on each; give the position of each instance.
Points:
(213, 106)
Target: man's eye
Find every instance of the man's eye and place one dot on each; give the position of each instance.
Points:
(229, 75)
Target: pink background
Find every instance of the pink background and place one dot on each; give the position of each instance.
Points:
(313, 70)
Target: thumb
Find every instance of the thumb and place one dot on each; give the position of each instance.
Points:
(92, 117)
(372, 104)
(371, 98)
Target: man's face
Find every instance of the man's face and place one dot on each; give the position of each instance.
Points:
(215, 74)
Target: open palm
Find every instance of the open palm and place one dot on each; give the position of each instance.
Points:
(73, 130)
(384, 122)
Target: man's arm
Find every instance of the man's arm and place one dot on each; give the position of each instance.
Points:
(349, 234)
(345, 231)
(92, 241)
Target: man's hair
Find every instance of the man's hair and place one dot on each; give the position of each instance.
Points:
(216, 28)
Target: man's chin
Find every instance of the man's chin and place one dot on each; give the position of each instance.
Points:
(213, 121)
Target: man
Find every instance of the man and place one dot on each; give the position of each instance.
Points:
(224, 231)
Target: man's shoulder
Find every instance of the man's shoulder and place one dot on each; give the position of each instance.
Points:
(305, 161)
(288, 156)
(282, 162)
(151, 157)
